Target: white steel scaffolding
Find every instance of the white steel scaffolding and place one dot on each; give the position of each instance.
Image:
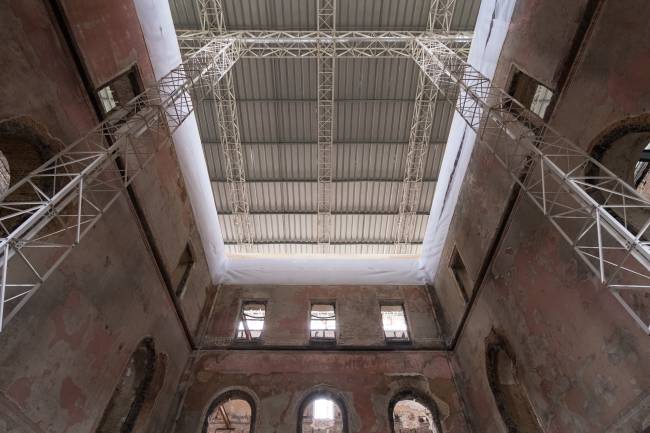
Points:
(603, 218)
(440, 17)
(227, 119)
(47, 213)
(326, 70)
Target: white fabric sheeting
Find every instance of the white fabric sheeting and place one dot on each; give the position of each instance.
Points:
(160, 37)
(490, 33)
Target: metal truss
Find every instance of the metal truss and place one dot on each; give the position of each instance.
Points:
(47, 213)
(605, 220)
(326, 70)
(419, 138)
(211, 15)
(440, 17)
(227, 119)
(305, 44)
(228, 125)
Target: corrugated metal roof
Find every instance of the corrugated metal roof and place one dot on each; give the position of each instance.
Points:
(277, 111)
(301, 14)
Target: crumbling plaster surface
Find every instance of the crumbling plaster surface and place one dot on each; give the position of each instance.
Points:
(583, 361)
(110, 39)
(280, 381)
(63, 354)
(357, 311)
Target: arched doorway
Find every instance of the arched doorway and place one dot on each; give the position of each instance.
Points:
(232, 412)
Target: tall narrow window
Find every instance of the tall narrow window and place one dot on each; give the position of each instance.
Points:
(119, 91)
(393, 320)
(322, 324)
(322, 413)
(530, 93)
(182, 271)
(251, 321)
(460, 273)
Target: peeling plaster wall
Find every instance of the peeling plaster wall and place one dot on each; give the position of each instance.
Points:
(357, 311)
(280, 381)
(63, 354)
(583, 361)
(110, 40)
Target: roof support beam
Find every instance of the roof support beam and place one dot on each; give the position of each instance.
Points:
(211, 16)
(212, 21)
(326, 67)
(440, 16)
(300, 44)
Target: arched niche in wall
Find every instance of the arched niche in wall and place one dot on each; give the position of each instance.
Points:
(509, 394)
(322, 411)
(411, 411)
(25, 145)
(232, 411)
(133, 392)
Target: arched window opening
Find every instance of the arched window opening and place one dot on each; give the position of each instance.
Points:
(322, 413)
(232, 412)
(510, 396)
(409, 416)
(24, 147)
(413, 412)
(131, 392)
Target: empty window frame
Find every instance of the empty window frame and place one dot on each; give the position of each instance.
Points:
(322, 322)
(251, 321)
(182, 271)
(530, 93)
(458, 270)
(119, 91)
(393, 320)
(641, 169)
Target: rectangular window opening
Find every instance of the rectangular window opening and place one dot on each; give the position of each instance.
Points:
(530, 93)
(460, 273)
(393, 320)
(251, 321)
(118, 92)
(182, 271)
(322, 323)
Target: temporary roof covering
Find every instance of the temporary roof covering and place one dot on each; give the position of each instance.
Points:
(277, 111)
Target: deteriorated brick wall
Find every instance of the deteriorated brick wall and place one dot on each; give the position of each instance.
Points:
(357, 311)
(63, 354)
(580, 357)
(363, 382)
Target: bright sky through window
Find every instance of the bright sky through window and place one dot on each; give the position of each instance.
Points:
(323, 321)
(393, 321)
(251, 322)
(323, 409)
